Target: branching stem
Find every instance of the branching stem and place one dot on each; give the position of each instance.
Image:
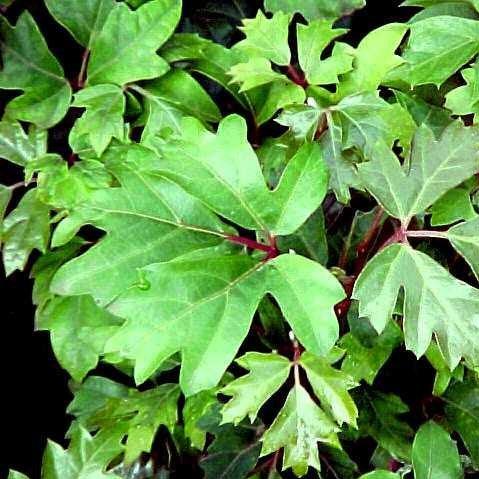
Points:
(427, 234)
(296, 76)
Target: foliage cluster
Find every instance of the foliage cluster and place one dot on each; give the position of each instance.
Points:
(250, 226)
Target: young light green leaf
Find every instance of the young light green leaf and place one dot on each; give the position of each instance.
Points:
(267, 373)
(83, 20)
(435, 454)
(266, 37)
(28, 65)
(79, 330)
(435, 167)
(299, 426)
(19, 147)
(26, 228)
(125, 49)
(103, 118)
(312, 9)
(465, 239)
(16, 475)
(456, 41)
(195, 408)
(312, 41)
(165, 224)
(462, 412)
(240, 193)
(86, 457)
(374, 58)
(5, 196)
(255, 72)
(331, 387)
(463, 100)
(380, 475)
(425, 282)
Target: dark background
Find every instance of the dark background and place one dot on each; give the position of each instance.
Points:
(34, 388)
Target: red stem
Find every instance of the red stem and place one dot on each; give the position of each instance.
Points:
(296, 76)
(271, 248)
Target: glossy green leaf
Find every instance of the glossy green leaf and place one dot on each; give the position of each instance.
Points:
(299, 426)
(462, 412)
(456, 41)
(434, 454)
(267, 372)
(5, 196)
(88, 456)
(312, 41)
(465, 239)
(125, 49)
(435, 167)
(228, 178)
(380, 475)
(453, 206)
(431, 302)
(331, 386)
(103, 118)
(29, 66)
(230, 289)
(83, 20)
(19, 147)
(312, 9)
(102, 404)
(26, 228)
(166, 223)
(79, 330)
(380, 418)
(267, 37)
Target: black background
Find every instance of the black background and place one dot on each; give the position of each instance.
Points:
(33, 387)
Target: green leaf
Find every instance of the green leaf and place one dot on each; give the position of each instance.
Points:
(312, 9)
(453, 206)
(425, 283)
(434, 117)
(462, 412)
(435, 167)
(225, 296)
(5, 196)
(86, 457)
(125, 50)
(380, 475)
(102, 404)
(299, 426)
(19, 147)
(240, 193)
(463, 100)
(434, 454)
(26, 228)
(456, 41)
(83, 20)
(103, 118)
(312, 41)
(363, 362)
(267, 372)
(256, 72)
(29, 66)
(374, 58)
(379, 419)
(234, 451)
(79, 330)
(16, 475)
(165, 224)
(266, 37)
(331, 387)
(465, 239)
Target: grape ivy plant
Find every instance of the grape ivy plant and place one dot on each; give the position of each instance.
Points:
(252, 221)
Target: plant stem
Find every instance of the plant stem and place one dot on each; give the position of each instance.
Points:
(296, 76)
(426, 234)
(271, 248)
(84, 63)
(21, 184)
